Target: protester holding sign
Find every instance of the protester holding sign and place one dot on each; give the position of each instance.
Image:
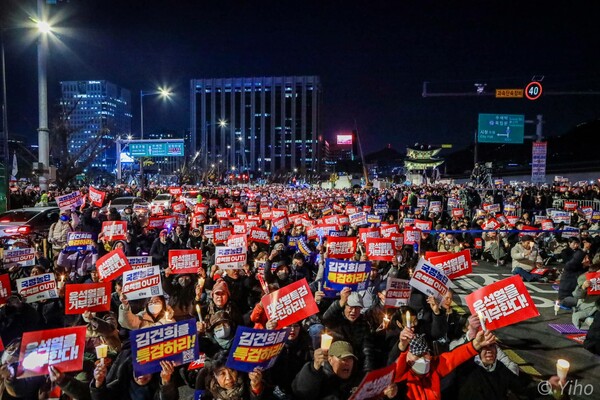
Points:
(155, 312)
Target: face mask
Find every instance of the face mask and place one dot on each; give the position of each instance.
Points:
(282, 275)
(155, 308)
(421, 366)
(222, 332)
(64, 218)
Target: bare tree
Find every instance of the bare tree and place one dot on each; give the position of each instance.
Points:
(70, 163)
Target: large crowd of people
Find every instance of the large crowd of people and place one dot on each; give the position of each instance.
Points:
(437, 351)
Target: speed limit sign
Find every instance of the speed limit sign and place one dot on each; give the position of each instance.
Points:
(533, 90)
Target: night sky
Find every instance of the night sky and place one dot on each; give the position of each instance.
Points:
(372, 58)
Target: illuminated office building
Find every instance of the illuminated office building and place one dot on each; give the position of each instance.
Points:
(96, 110)
(264, 124)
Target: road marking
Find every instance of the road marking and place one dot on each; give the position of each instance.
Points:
(523, 365)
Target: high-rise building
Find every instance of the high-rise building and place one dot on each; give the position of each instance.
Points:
(264, 125)
(98, 112)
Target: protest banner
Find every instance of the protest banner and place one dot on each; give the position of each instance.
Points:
(429, 280)
(82, 297)
(510, 209)
(140, 262)
(423, 225)
(69, 200)
(331, 220)
(227, 257)
(142, 283)
(453, 203)
(290, 304)
(374, 383)
(220, 235)
(96, 196)
(223, 213)
(80, 241)
(280, 223)
(412, 236)
(351, 209)
(380, 249)
(343, 220)
(408, 221)
(259, 235)
(253, 348)
(453, 265)
(570, 205)
(175, 191)
(176, 342)
(569, 232)
(239, 228)
(422, 203)
(388, 230)
(490, 224)
(238, 240)
(338, 234)
(341, 247)
(380, 209)
(62, 348)
(155, 222)
(397, 293)
(114, 230)
(200, 209)
(278, 213)
(303, 247)
(492, 208)
(429, 254)
(458, 213)
(112, 265)
(435, 207)
(398, 240)
(374, 219)
(36, 288)
(185, 261)
(209, 231)
(547, 225)
(5, 289)
(353, 274)
(25, 257)
(478, 243)
(502, 303)
(358, 219)
(594, 288)
(368, 233)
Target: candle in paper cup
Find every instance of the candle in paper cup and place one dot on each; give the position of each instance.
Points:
(481, 320)
(101, 351)
(407, 319)
(562, 369)
(326, 341)
(556, 307)
(198, 311)
(61, 283)
(386, 319)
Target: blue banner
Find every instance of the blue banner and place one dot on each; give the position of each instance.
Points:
(80, 241)
(353, 274)
(256, 348)
(293, 241)
(173, 342)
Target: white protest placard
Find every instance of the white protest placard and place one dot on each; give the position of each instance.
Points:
(36, 288)
(230, 257)
(142, 283)
(429, 280)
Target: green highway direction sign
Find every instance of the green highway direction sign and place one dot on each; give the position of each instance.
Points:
(501, 128)
(156, 148)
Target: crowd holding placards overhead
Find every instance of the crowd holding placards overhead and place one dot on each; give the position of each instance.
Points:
(277, 292)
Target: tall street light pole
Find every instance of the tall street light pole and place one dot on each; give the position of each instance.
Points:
(5, 153)
(164, 93)
(42, 61)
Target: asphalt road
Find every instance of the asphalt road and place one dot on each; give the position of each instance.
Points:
(532, 343)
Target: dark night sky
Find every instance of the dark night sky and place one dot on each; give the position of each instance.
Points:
(372, 58)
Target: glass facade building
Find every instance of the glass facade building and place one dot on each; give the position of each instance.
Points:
(96, 110)
(265, 125)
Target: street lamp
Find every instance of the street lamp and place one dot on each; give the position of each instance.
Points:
(163, 93)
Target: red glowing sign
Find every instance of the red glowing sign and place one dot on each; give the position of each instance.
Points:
(344, 139)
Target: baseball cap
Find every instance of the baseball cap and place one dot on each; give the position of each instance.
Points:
(341, 349)
(221, 286)
(354, 300)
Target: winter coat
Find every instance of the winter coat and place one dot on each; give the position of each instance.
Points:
(57, 235)
(131, 321)
(323, 384)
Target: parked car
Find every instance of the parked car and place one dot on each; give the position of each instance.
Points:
(120, 203)
(28, 221)
(163, 200)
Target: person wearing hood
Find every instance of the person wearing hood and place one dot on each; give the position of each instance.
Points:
(333, 374)
(77, 264)
(181, 290)
(219, 301)
(423, 372)
(155, 312)
(219, 334)
(57, 235)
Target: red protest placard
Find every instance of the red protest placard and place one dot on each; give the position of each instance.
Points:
(380, 249)
(398, 240)
(114, 230)
(259, 235)
(5, 290)
(112, 265)
(156, 222)
(178, 207)
(366, 233)
(423, 225)
(87, 297)
(62, 348)
(389, 230)
(454, 264)
(412, 236)
(429, 254)
(185, 261)
(341, 247)
(503, 303)
(281, 223)
(221, 235)
(222, 213)
(570, 205)
(374, 383)
(290, 304)
(458, 213)
(594, 278)
(96, 196)
(175, 191)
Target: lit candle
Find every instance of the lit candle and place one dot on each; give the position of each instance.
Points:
(386, 319)
(562, 369)
(407, 316)
(168, 315)
(556, 307)
(101, 351)
(410, 272)
(326, 341)
(61, 283)
(199, 312)
(481, 320)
